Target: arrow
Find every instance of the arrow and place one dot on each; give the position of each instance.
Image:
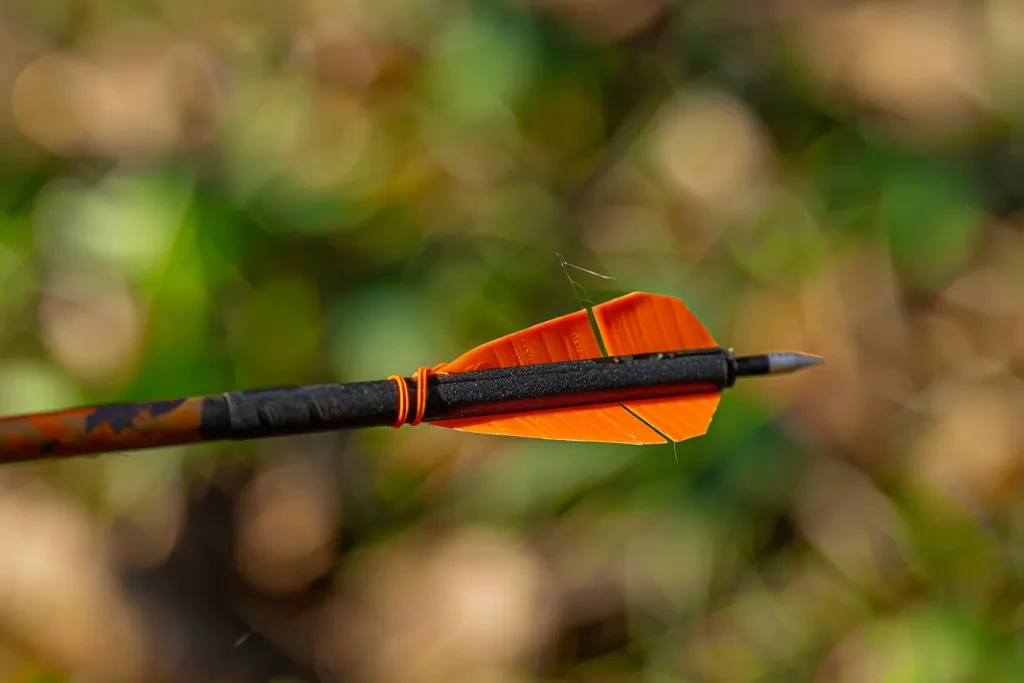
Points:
(550, 381)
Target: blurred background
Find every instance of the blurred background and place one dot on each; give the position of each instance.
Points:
(199, 197)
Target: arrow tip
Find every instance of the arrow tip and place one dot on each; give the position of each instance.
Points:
(785, 363)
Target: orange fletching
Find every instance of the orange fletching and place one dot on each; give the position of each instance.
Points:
(598, 424)
(569, 337)
(648, 323)
(631, 324)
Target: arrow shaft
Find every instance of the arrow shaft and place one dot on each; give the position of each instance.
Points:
(265, 413)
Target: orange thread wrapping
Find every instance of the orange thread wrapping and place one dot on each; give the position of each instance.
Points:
(422, 375)
(403, 400)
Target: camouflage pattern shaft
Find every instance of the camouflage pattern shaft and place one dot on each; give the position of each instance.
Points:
(239, 415)
(98, 429)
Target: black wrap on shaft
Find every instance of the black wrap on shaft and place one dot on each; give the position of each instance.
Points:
(573, 383)
(290, 410)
